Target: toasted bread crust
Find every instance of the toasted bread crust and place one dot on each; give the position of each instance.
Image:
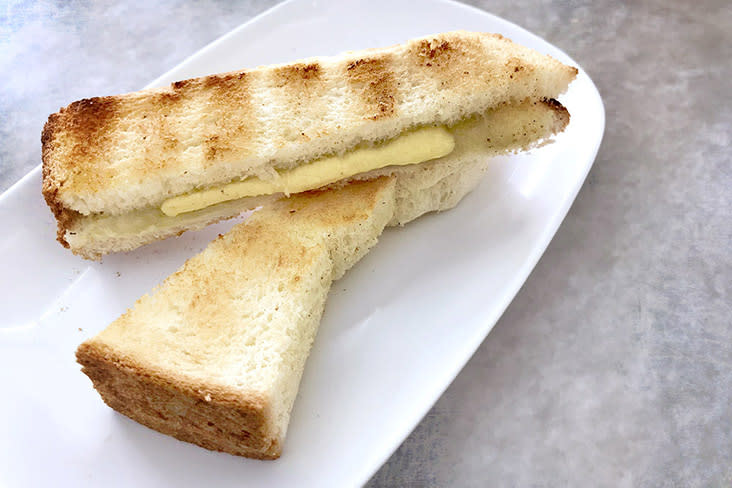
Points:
(115, 154)
(201, 413)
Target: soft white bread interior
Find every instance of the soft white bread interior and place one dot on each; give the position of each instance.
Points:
(508, 128)
(112, 155)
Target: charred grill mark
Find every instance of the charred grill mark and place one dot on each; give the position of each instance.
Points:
(434, 53)
(297, 88)
(226, 81)
(297, 74)
(374, 82)
(229, 104)
(157, 127)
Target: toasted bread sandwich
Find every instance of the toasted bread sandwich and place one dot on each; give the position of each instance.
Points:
(123, 171)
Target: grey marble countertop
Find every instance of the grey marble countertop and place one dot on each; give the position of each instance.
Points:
(613, 365)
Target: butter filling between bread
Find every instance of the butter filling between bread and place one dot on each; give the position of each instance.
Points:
(412, 147)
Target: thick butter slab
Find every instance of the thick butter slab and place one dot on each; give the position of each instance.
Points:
(412, 147)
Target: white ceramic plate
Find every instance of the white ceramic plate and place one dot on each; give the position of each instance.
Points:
(397, 329)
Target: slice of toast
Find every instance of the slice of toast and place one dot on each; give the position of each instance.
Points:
(214, 354)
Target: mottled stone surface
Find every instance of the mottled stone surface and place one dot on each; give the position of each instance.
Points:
(613, 365)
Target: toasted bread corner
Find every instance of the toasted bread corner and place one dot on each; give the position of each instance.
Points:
(198, 412)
